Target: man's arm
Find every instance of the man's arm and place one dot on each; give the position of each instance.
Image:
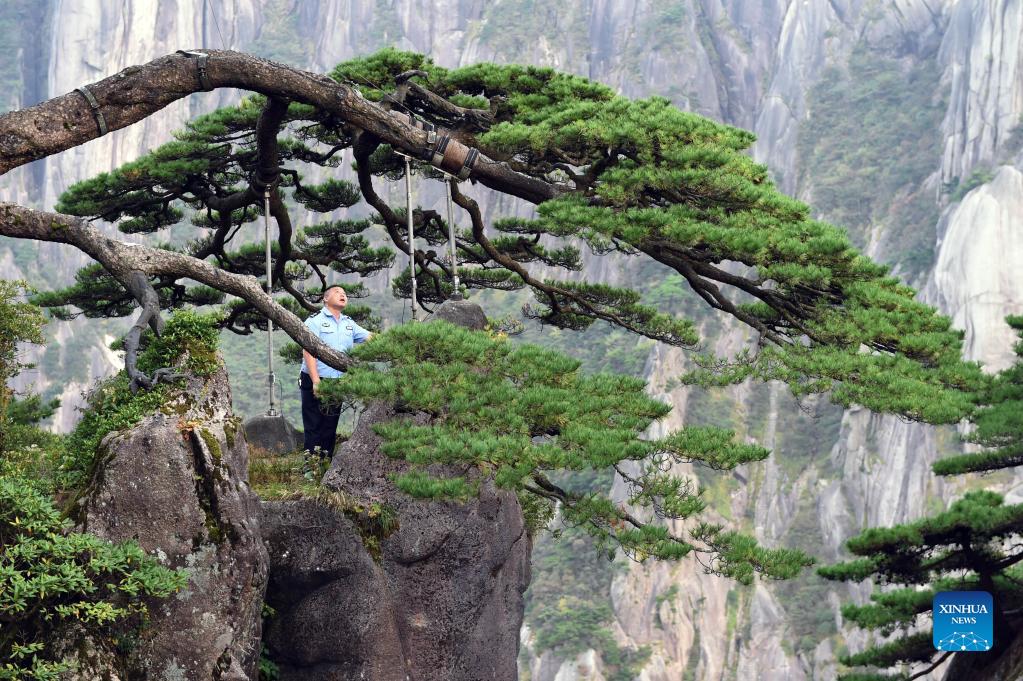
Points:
(314, 373)
(310, 361)
(359, 334)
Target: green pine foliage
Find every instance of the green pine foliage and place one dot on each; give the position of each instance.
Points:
(682, 184)
(638, 177)
(522, 414)
(974, 544)
(998, 424)
(967, 547)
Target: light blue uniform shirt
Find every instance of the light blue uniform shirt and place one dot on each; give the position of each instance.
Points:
(340, 334)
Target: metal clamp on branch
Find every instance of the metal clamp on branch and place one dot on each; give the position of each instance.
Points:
(430, 128)
(453, 157)
(90, 98)
(201, 67)
(261, 183)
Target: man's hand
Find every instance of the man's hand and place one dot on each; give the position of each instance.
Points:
(316, 387)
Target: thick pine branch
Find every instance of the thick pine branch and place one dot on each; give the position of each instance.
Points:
(122, 260)
(133, 94)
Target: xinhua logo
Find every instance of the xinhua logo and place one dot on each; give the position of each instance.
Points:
(963, 621)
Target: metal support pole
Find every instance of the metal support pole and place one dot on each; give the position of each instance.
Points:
(271, 378)
(411, 235)
(452, 253)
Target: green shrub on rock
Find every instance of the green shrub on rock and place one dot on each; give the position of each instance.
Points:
(58, 586)
(51, 578)
(113, 406)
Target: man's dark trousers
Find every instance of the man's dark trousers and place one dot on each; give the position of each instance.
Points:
(319, 420)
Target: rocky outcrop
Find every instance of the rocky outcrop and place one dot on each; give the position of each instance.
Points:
(369, 583)
(437, 598)
(977, 278)
(272, 434)
(332, 619)
(461, 313)
(983, 54)
(176, 484)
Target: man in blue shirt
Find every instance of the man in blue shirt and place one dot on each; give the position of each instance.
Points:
(340, 333)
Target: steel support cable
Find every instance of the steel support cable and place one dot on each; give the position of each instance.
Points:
(452, 252)
(271, 377)
(411, 234)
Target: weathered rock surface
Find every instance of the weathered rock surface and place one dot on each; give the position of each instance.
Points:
(272, 434)
(176, 484)
(439, 598)
(977, 277)
(461, 312)
(983, 56)
(442, 602)
(333, 620)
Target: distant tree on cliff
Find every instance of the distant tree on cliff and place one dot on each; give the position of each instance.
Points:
(974, 545)
(637, 178)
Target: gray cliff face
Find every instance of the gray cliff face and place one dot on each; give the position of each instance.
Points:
(176, 484)
(878, 471)
(749, 63)
(320, 566)
(982, 53)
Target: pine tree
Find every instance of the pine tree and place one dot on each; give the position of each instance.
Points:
(974, 545)
(522, 415)
(637, 178)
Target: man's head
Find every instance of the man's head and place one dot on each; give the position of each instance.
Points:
(335, 298)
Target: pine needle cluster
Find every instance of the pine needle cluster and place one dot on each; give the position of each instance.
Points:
(521, 414)
(973, 545)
